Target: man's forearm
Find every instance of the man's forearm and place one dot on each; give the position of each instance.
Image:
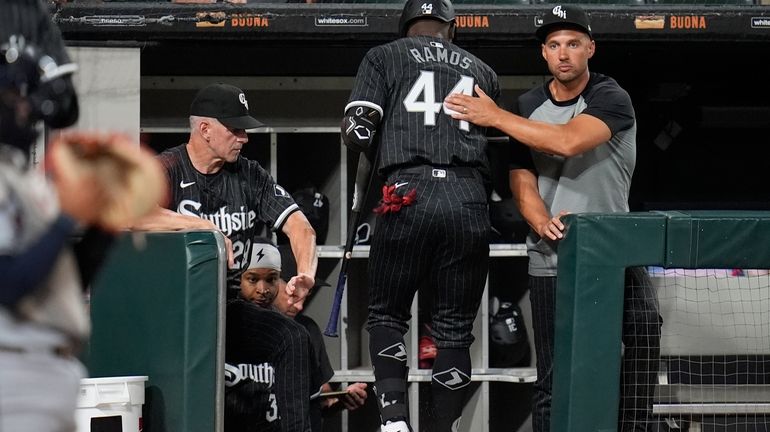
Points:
(167, 220)
(302, 239)
(305, 254)
(523, 185)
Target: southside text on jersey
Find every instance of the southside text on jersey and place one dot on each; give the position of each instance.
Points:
(226, 221)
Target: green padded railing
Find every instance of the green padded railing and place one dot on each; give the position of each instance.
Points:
(589, 300)
(157, 309)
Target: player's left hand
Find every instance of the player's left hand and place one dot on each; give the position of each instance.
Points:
(298, 287)
(554, 227)
(356, 396)
(481, 110)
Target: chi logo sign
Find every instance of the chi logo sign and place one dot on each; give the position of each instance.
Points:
(557, 11)
(242, 100)
(427, 8)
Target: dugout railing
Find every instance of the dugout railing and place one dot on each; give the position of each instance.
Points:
(155, 312)
(593, 256)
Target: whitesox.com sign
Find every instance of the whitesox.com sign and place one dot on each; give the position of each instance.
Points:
(341, 21)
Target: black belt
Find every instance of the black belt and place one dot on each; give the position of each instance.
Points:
(63, 351)
(436, 171)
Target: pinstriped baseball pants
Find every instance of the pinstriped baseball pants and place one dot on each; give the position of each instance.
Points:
(440, 243)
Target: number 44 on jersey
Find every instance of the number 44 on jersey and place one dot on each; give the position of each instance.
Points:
(428, 106)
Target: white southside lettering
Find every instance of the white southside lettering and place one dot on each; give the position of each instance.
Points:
(227, 222)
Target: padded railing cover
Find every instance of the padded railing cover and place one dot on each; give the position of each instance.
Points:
(157, 309)
(589, 299)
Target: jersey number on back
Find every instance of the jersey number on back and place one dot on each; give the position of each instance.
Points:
(427, 105)
(272, 412)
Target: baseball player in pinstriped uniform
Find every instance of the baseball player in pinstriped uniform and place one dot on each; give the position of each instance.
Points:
(433, 224)
(213, 187)
(250, 399)
(254, 400)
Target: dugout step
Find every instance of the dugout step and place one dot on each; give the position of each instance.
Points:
(510, 375)
(710, 408)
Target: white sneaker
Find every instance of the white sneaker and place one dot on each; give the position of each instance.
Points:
(399, 426)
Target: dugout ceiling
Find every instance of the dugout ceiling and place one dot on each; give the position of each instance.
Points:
(271, 39)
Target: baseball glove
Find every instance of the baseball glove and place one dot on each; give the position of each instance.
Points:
(132, 180)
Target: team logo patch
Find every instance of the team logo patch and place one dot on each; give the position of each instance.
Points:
(453, 379)
(362, 133)
(260, 254)
(438, 173)
(242, 100)
(396, 351)
(280, 191)
(559, 12)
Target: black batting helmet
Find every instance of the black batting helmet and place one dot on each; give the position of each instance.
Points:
(441, 10)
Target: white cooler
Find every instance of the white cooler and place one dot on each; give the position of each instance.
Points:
(102, 400)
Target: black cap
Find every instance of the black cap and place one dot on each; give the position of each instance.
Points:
(225, 103)
(289, 267)
(561, 17)
(441, 10)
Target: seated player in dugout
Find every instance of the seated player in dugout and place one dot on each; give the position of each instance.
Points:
(329, 402)
(266, 370)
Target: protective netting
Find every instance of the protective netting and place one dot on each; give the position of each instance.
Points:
(714, 365)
